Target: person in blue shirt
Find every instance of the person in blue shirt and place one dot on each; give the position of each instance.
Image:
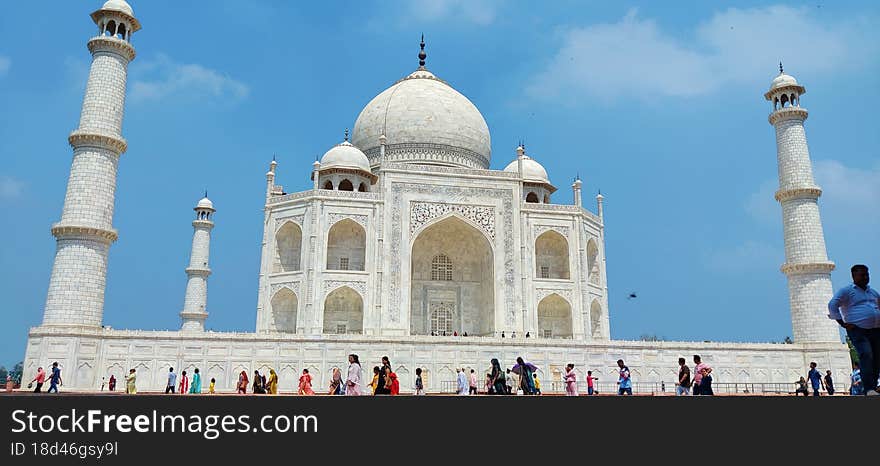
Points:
(815, 379)
(624, 381)
(55, 378)
(856, 308)
(855, 380)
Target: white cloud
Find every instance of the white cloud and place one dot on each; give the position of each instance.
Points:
(10, 188)
(5, 64)
(636, 58)
(162, 77)
(482, 12)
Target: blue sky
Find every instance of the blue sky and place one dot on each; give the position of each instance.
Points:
(659, 105)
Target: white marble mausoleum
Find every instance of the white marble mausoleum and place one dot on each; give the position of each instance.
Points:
(406, 242)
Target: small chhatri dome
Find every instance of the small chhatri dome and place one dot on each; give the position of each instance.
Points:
(345, 155)
(533, 172)
(118, 5)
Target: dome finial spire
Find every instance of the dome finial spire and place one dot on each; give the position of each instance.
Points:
(346, 134)
(780, 68)
(422, 54)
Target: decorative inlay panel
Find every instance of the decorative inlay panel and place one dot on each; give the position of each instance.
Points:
(541, 229)
(541, 293)
(335, 217)
(359, 286)
(423, 212)
(292, 286)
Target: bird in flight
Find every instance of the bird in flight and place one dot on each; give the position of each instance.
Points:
(631, 295)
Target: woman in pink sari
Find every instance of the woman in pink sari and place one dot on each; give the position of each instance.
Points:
(570, 378)
(305, 383)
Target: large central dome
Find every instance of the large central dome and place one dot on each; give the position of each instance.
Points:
(424, 120)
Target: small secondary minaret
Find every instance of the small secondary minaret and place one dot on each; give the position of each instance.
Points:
(806, 261)
(576, 188)
(194, 314)
(85, 232)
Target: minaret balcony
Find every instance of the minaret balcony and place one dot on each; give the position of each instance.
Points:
(112, 45)
(63, 230)
(104, 141)
(808, 267)
(787, 113)
(798, 193)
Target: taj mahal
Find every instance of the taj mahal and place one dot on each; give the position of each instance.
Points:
(406, 245)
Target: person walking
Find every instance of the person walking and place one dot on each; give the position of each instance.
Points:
(353, 380)
(473, 385)
(184, 384)
(512, 383)
(420, 386)
(196, 387)
(537, 383)
(855, 379)
(393, 384)
(305, 383)
(40, 379)
(701, 370)
(272, 383)
(526, 376)
(172, 378)
(335, 382)
(683, 386)
(624, 381)
(591, 389)
(242, 383)
(211, 386)
(462, 382)
(55, 378)
(499, 384)
(375, 381)
(815, 378)
(829, 383)
(258, 387)
(111, 384)
(130, 379)
(856, 308)
(570, 379)
(385, 377)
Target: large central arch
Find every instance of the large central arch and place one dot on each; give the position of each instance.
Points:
(453, 286)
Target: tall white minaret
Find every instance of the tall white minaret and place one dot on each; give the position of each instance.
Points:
(85, 232)
(193, 315)
(806, 261)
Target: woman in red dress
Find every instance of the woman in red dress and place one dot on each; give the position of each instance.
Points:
(305, 383)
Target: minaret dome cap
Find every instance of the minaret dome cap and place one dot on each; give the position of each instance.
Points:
(118, 5)
(205, 203)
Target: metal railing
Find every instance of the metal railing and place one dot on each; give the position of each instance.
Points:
(666, 388)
